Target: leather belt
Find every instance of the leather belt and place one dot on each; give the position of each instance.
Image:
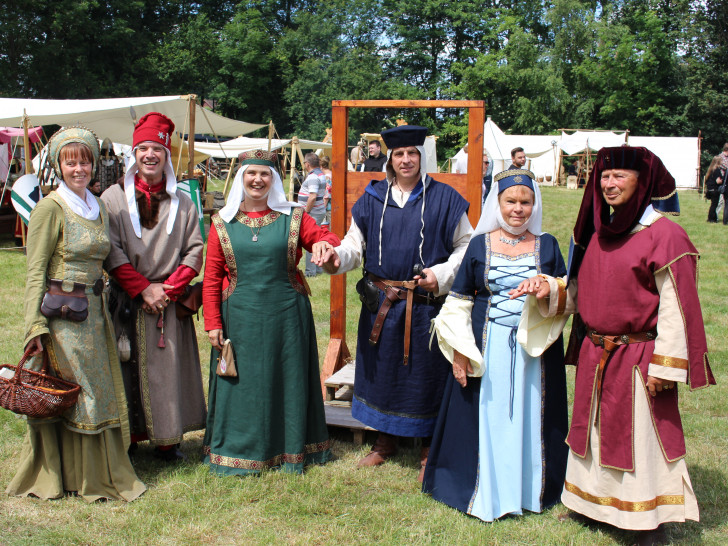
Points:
(79, 289)
(393, 291)
(609, 344)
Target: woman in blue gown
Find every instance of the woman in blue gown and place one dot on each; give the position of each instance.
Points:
(498, 446)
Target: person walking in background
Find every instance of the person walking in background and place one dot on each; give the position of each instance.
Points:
(84, 450)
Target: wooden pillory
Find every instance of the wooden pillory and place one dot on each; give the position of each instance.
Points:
(349, 185)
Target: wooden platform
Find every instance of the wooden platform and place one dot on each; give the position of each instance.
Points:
(339, 392)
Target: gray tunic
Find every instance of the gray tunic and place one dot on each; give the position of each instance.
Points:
(163, 385)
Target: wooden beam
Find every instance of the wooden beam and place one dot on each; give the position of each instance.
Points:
(191, 138)
(476, 122)
(409, 104)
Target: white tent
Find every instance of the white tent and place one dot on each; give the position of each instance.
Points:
(679, 154)
(236, 146)
(115, 118)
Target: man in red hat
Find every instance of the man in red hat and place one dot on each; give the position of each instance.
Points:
(156, 250)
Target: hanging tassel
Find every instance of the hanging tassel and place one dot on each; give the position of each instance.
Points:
(160, 325)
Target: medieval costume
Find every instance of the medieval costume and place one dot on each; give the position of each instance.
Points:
(626, 462)
(84, 450)
(498, 446)
(399, 380)
(271, 413)
(155, 237)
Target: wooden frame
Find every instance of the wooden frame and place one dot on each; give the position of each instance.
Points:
(349, 185)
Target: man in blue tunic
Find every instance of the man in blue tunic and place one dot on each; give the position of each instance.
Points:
(410, 233)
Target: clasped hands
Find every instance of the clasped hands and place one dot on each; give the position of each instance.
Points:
(155, 298)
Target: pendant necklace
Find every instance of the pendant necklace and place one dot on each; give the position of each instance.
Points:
(512, 242)
(255, 233)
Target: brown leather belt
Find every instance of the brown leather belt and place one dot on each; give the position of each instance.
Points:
(609, 344)
(393, 291)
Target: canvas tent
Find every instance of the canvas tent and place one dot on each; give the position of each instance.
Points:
(233, 148)
(679, 154)
(115, 118)
(10, 137)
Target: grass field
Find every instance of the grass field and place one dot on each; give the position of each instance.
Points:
(336, 503)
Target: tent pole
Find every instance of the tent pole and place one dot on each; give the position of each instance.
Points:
(191, 137)
(229, 175)
(271, 131)
(701, 186)
(28, 164)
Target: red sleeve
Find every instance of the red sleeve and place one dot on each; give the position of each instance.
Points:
(312, 233)
(182, 276)
(212, 282)
(130, 279)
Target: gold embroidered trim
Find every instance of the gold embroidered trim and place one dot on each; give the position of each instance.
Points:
(626, 506)
(669, 361)
(146, 398)
(249, 464)
(266, 220)
(227, 251)
(668, 264)
(461, 296)
(293, 233)
(673, 192)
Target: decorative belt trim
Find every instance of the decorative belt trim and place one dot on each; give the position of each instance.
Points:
(393, 291)
(669, 361)
(626, 506)
(609, 344)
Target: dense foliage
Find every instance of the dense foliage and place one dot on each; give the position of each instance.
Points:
(655, 67)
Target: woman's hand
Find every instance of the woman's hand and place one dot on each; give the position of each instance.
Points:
(461, 368)
(329, 259)
(655, 385)
(535, 286)
(216, 338)
(36, 345)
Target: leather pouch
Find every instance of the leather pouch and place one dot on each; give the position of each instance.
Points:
(226, 361)
(189, 302)
(69, 305)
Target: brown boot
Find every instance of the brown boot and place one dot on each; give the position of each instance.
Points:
(383, 449)
(424, 453)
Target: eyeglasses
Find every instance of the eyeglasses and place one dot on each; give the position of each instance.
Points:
(486, 162)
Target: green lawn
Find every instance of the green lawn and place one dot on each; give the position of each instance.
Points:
(336, 503)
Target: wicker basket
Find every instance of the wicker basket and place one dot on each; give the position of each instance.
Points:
(36, 394)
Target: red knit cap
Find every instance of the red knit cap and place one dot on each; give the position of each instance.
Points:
(154, 127)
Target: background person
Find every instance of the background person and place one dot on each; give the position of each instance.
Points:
(634, 284)
(272, 413)
(518, 158)
(311, 196)
(84, 450)
(714, 187)
(376, 160)
(326, 168)
(498, 446)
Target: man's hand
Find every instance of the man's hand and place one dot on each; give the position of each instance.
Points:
(655, 385)
(310, 202)
(155, 298)
(535, 286)
(427, 281)
(216, 338)
(461, 367)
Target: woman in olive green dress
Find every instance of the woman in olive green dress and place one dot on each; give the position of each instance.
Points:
(84, 450)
